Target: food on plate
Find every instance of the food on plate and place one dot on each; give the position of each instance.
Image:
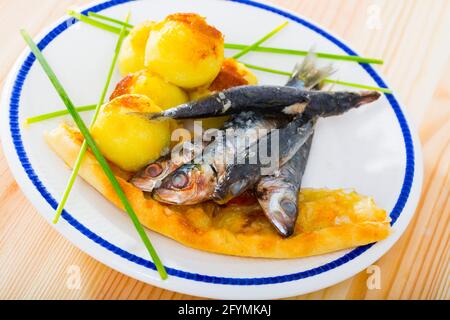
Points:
(127, 140)
(185, 50)
(220, 195)
(270, 100)
(132, 55)
(163, 93)
(329, 220)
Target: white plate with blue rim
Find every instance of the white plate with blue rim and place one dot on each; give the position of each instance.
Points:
(374, 150)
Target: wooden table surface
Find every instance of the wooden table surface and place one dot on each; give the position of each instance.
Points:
(412, 38)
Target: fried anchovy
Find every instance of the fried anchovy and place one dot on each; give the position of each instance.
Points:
(269, 100)
(278, 194)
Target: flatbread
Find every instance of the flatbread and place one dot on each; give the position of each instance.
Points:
(329, 220)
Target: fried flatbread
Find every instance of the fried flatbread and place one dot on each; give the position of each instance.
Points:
(329, 220)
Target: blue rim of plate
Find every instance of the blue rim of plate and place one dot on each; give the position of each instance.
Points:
(21, 153)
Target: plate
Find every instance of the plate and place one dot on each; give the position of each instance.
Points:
(374, 150)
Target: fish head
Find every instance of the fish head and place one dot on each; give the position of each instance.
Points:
(190, 184)
(280, 204)
(152, 176)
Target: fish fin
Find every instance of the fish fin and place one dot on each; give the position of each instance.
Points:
(308, 74)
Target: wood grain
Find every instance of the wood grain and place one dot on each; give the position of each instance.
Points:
(410, 35)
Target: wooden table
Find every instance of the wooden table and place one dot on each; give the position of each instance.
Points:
(410, 35)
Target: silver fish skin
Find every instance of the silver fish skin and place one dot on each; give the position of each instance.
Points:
(278, 194)
(186, 185)
(269, 100)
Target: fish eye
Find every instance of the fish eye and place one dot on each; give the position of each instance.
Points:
(180, 180)
(153, 170)
(288, 206)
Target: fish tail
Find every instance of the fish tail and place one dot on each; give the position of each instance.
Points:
(308, 75)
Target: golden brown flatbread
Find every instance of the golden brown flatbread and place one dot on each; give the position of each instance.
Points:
(329, 220)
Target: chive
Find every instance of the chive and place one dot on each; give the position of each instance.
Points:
(251, 66)
(98, 155)
(260, 41)
(95, 23)
(231, 46)
(322, 55)
(105, 18)
(357, 85)
(343, 83)
(59, 113)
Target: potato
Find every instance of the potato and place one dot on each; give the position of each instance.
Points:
(185, 50)
(132, 55)
(164, 94)
(127, 140)
(232, 74)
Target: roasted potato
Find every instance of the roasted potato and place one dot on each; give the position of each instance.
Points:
(128, 140)
(185, 50)
(132, 55)
(232, 74)
(163, 93)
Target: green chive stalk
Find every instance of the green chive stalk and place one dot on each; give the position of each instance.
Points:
(109, 19)
(95, 23)
(59, 113)
(322, 55)
(256, 44)
(342, 83)
(357, 85)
